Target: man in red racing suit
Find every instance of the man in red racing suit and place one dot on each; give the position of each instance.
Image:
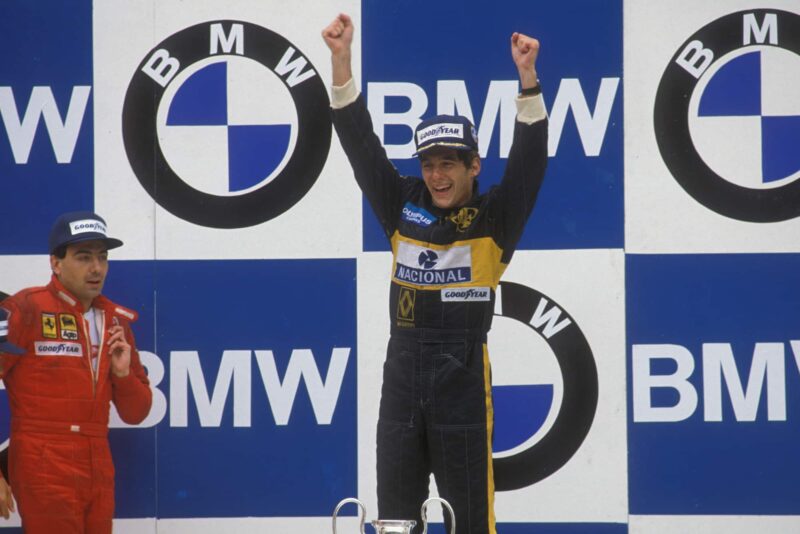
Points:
(79, 355)
(450, 245)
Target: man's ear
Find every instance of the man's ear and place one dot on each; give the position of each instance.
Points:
(475, 167)
(55, 265)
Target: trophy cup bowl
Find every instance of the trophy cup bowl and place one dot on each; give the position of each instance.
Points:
(395, 526)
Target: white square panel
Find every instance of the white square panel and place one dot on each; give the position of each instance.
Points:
(661, 216)
(325, 222)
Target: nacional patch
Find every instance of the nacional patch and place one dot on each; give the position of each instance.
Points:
(49, 329)
(467, 294)
(68, 326)
(56, 348)
(416, 215)
(423, 266)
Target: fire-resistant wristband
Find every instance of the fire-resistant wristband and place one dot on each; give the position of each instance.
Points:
(532, 91)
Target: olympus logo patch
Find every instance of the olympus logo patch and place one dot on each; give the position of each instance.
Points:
(51, 348)
(440, 130)
(416, 215)
(423, 266)
(467, 294)
(87, 225)
(726, 119)
(226, 124)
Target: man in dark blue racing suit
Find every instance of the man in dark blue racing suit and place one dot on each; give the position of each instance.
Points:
(450, 247)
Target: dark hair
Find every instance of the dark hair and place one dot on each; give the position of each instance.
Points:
(466, 156)
(60, 252)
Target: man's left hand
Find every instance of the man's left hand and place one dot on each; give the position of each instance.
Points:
(120, 351)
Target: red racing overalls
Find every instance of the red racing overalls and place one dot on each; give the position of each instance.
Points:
(60, 466)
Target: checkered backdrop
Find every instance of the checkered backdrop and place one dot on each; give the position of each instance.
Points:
(645, 348)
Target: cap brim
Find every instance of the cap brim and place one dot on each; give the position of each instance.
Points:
(10, 348)
(454, 146)
(110, 242)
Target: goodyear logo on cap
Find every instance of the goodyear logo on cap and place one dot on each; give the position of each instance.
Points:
(440, 130)
(87, 225)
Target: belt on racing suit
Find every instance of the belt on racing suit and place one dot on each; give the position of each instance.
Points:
(440, 334)
(26, 424)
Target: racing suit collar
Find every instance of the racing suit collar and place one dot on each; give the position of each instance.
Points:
(101, 302)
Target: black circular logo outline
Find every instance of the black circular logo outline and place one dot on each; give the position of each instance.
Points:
(140, 137)
(671, 126)
(579, 402)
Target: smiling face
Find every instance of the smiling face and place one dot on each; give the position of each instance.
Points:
(83, 270)
(448, 178)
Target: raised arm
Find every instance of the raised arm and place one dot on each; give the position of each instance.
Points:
(527, 159)
(376, 175)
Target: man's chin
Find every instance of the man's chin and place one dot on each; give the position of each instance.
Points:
(443, 203)
(93, 292)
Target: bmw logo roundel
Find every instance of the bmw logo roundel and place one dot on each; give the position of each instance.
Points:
(226, 124)
(528, 464)
(727, 115)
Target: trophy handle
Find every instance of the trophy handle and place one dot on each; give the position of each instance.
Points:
(446, 505)
(342, 503)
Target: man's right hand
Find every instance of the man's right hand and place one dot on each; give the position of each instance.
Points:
(338, 35)
(6, 499)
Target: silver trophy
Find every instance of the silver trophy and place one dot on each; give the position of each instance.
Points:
(396, 526)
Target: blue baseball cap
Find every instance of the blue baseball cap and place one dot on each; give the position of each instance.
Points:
(78, 226)
(447, 131)
(5, 346)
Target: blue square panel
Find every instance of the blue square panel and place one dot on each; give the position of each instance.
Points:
(714, 390)
(256, 387)
(46, 132)
(426, 56)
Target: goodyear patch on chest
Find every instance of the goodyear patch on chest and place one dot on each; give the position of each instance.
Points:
(58, 348)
